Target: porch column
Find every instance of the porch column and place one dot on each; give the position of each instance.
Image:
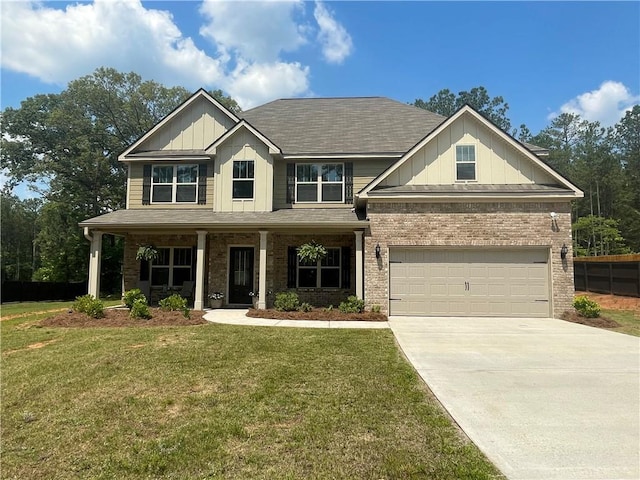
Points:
(200, 254)
(95, 256)
(359, 282)
(262, 276)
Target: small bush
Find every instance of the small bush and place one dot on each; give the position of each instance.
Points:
(89, 305)
(352, 305)
(586, 307)
(175, 303)
(287, 302)
(140, 309)
(305, 307)
(131, 296)
(329, 308)
(376, 308)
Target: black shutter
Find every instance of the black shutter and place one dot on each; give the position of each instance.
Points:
(202, 184)
(291, 182)
(348, 182)
(346, 267)
(292, 266)
(144, 270)
(146, 184)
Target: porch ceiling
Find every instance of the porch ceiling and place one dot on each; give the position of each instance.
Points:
(193, 219)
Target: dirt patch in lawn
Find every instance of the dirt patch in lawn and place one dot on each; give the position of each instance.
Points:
(599, 322)
(120, 318)
(613, 302)
(317, 314)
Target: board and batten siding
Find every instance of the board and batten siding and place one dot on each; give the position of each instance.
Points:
(364, 171)
(497, 162)
(195, 128)
(244, 145)
(135, 188)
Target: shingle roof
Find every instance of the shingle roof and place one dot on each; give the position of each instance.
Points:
(365, 125)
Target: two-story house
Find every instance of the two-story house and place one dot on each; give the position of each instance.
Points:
(420, 214)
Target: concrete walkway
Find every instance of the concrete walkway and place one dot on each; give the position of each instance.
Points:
(239, 317)
(542, 398)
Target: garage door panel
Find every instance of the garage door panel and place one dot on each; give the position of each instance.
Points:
(509, 282)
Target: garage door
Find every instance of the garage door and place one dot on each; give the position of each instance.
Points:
(435, 282)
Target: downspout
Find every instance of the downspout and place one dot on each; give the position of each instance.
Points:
(88, 235)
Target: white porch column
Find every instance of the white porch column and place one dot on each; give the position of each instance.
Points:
(94, 263)
(200, 254)
(359, 277)
(262, 276)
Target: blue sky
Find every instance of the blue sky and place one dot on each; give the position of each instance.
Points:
(542, 57)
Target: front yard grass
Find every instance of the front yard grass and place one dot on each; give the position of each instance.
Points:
(219, 401)
(629, 321)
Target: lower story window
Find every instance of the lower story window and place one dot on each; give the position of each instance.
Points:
(323, 273)
(172, 267)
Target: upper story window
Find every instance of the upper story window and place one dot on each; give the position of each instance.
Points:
(243, 176)
(174, 184)
(320, 182)
(323, 273)
(465, 162)
(172, 267)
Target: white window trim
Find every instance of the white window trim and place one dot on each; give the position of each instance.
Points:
(466, 162)
(174, 183)
(319, 183)
(247, 179)
(320, 267)
(171, 267)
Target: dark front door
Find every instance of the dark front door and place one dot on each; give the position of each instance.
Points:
(240, 275)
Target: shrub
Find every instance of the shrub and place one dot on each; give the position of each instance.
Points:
(586, 307)
(352, 305)
(175, 303)
(140, 309)
(131, 296)
(305, 307)
(287, 302)
(89, 305)
(376, 308)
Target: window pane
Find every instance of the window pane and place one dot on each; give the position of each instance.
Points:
(162, 193)
(332, 259)
(182, 256)
(243, 189)
(465, 153)
(187, 174)
(250, 169)
(330, 277)
(308, 193)
(160, 276)
(332, 173)
(243, 169)
(186, 193)
(307, 277)
(332, 192)
(307, 173)
(162, 174)
(181, 275)
(466, 171)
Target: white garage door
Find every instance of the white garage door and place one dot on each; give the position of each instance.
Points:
(503, 283)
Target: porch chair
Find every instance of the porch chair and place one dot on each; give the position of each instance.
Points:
(187, 290)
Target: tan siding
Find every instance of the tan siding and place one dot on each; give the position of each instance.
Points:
(194, 128)
(135, 190)
(497, 161)
(364, 171)
(280, 185)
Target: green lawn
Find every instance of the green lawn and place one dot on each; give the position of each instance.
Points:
(12, 309)
(628, 320)
(219, 401)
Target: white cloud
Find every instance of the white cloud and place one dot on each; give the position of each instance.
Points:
(336, 42)
(606, 105)
(57, 45)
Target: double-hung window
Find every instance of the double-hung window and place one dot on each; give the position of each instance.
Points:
(174, 184)
(243, 176)
(465, 162)
(172, 267)
(323, 273)
(320, 182)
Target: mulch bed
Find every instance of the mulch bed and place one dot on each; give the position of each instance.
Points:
(600, 322)
(317, 314)
(115, 317)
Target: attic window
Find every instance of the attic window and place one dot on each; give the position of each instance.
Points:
(465, 162)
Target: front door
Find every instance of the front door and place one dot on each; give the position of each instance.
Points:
(240, 275)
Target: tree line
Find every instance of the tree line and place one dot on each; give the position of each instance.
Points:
(68, 144)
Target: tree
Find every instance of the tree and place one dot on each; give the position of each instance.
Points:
(18, 235)
(593, 235)
(446, 103)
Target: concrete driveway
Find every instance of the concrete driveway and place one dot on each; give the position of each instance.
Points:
(542, 398)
